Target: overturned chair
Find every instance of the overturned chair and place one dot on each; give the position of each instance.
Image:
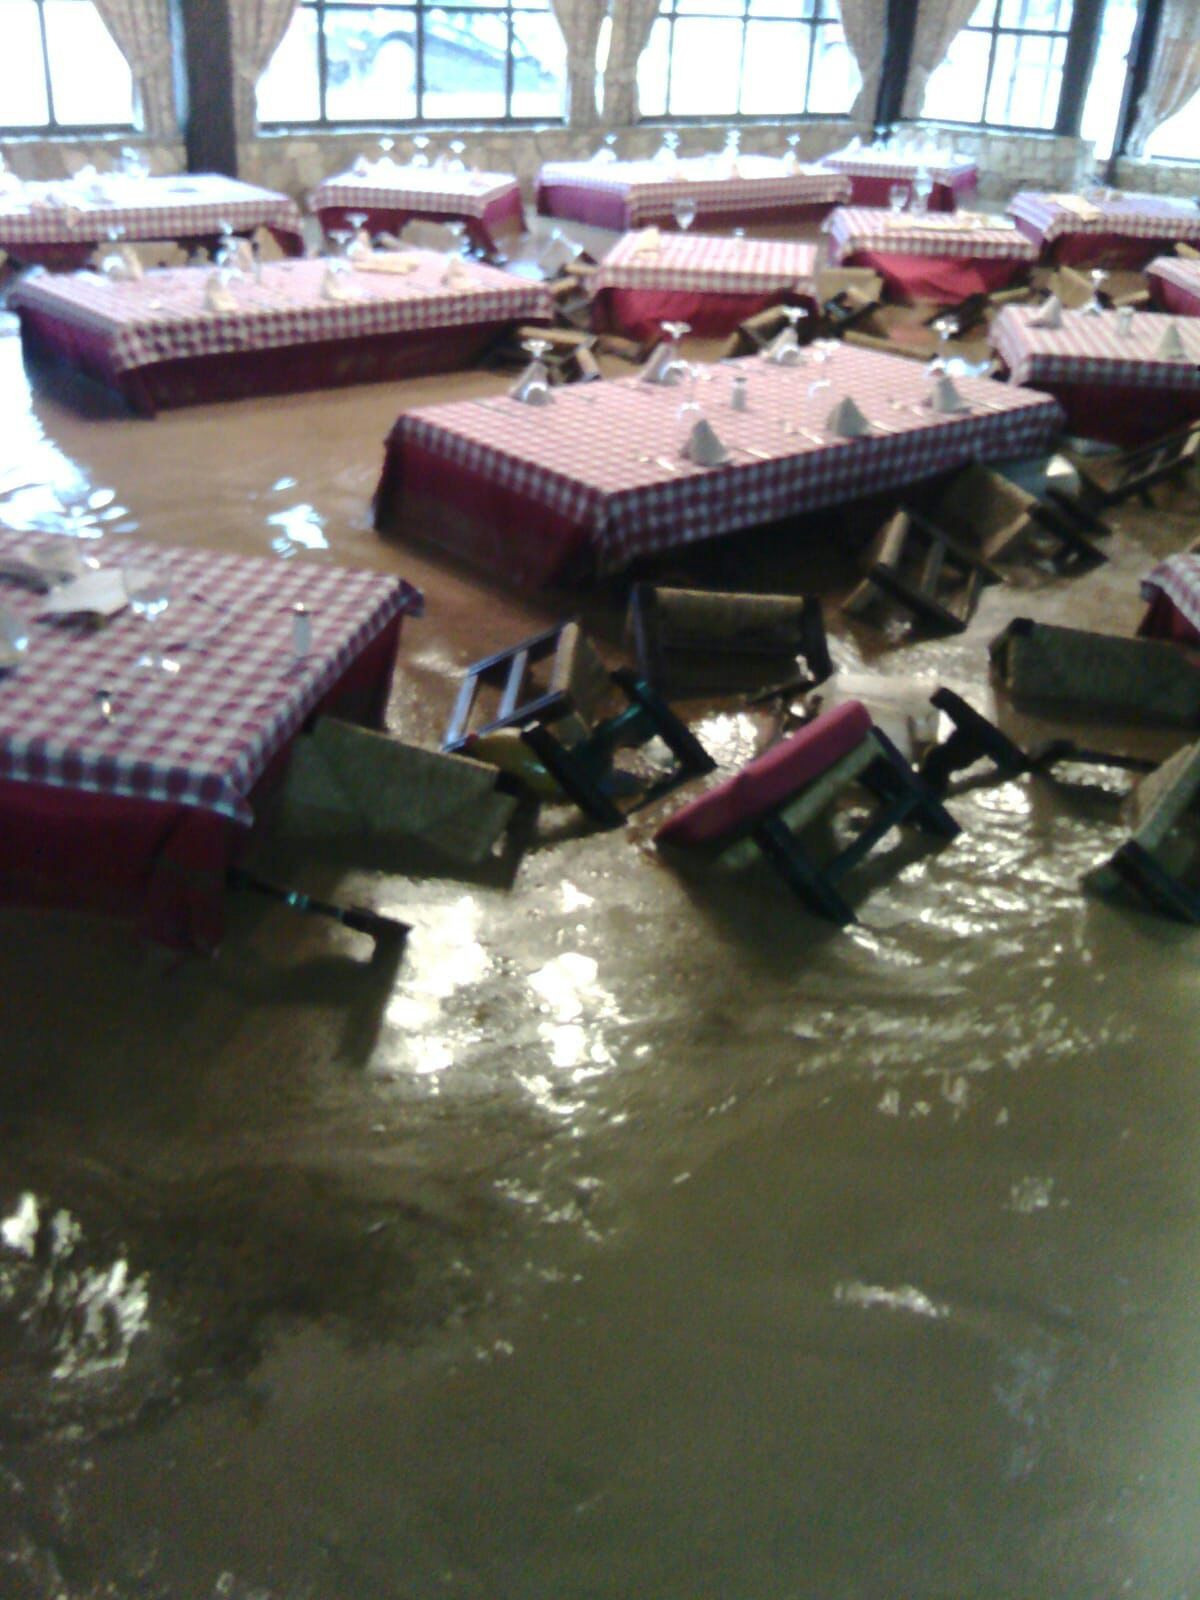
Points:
(1002, 522)
(778, 795)
(1160, 861)
(1143, 680)
(1107, 480)
(921, 568)
(553, 694)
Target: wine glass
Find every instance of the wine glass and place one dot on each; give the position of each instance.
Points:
(794, 316)
(945, 327)
(675, 367)
(386, 146)
(690, 411)
(358, 221)
(420, 144)
(608, 150)
(733, 140)
(898, 196)
(339, 239)
(149, 595)
(684, 212)
(536, 384)
(922, 188)
(457, 229)
(793, 160)
(457, 151)
(1099, 278)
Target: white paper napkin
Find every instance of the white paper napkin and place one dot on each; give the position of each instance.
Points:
(394, 261)
(532, 388)
(648, 242)
(1170, 345)
(217, 296)
(1049, 315)
(456, 275)
(704, 447)
(42, 565)
(946, 397)
(96, 594)
(846, 420)
(337, 285)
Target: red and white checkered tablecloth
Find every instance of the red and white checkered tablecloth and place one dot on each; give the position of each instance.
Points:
(650, 188)
(406, 188)
(868, 163)
(201, 736)
(1093, 350)
(186, 207)
(686, 261)
(1183, 277)
(958, 235)
(609, 456)
(1047, 217)
(1178, 579)
(163, 316)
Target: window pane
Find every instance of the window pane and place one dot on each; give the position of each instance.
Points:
(1055, 14)
(464, 65)
(287, 90)
(983, 14)
(776, 66)
(22, 76)
(704, 71)
(370, 66)
(1026, 80)
(539, 66)
(955, 90)
(779, 8)
(709, 8)
(836, 79)
(1103, 103)
(652, 71)
(91, 80)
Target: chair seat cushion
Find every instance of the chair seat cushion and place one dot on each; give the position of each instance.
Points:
(773, 778)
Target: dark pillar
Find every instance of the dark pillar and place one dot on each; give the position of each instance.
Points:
(897, 49)
(1141, 54)
(208, 118)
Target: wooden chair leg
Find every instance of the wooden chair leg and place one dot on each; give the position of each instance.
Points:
(791, 861)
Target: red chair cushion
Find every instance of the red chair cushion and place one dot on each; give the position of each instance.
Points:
(775, 776)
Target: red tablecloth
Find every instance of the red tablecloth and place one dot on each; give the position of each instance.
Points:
(873, 174)
(649, 278)
(1175, 285)
(158, 344)
(389, 195)
(630, 194)
(939, 258)
(1104, 229)
(143, 814)
(59, 225)
(1112, 385)
(597, 478)
(1172, 591)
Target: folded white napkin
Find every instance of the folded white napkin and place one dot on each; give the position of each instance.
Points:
(946, 397)
(1083, 209)
(1170, 345)
(42, 565)
(1048, 315)
(456, 274)
(532, 388)
(338, 285)
(784, 348)
(655, 370)
(359, 247)
(243, 256)
(133, 263)
(704, 447)
(846, 420)
(96, 594)
(396, 261)
(217, 296)
(557, 251)
(648, 242)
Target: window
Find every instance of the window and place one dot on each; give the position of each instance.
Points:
(1005, 68)
(1106, 89)
(1178, 138)
(346, 61)
(60, 69)
(747, 58)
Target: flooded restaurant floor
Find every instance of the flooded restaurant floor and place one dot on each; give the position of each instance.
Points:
(637, 1234)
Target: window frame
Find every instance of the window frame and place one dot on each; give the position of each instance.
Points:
(52, 128)
(996, 30)
(819, 19)
(418, 10)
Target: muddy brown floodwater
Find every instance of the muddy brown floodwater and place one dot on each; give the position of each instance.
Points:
(637, 1235)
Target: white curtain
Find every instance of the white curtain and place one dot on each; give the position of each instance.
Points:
(1174, 73)
(143, 36)
(938, 23)
(580, 22)
(631, 25)
(865, 25)
(256, 28)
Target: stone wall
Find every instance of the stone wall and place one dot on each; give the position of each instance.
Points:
(1158, 177)
(1011, 161)
(59, 158)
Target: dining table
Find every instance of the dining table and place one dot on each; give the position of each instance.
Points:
(138, 752)
(1104, 227)
(937, 257)
(569, 491)
(1121, 377)
(59, 224)
(711, 282)
(1175, 285)
(876, 173)
(1171, 590)
(184, 335)
(716, 190)
(383, 195)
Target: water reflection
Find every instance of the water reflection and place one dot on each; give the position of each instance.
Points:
(300, 527)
